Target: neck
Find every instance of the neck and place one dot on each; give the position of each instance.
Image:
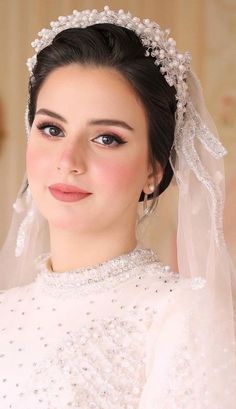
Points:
(71, 250)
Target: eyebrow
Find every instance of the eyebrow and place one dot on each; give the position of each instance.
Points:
(50, 113)
(102, 121)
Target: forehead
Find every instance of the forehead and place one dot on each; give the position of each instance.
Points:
(88, 91)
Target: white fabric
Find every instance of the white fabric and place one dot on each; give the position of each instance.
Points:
(194, 333)
(133, 346)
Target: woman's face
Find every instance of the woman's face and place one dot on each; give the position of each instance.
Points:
(89, 132)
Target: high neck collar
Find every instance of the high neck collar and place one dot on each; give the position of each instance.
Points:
(96, 278)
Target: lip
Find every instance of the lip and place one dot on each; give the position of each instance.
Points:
(62, 187)
(68, 193)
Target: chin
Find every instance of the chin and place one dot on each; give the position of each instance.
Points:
(80, 225)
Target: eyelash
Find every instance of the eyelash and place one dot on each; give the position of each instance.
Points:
(42, 126)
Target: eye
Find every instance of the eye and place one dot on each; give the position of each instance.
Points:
(50, 130)
(108, 139)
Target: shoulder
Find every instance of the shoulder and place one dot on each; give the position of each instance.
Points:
(157, 282)
(160, 295)
(16, 295)
(178, 303)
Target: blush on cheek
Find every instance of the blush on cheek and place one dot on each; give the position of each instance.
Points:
(37, 167)
(123, 175)
(31, 158)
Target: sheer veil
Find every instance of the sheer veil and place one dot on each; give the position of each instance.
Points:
(197, 162)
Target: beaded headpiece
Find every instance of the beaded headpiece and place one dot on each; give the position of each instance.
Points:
(173, 65)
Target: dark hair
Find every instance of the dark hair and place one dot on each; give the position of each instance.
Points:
(120, 48)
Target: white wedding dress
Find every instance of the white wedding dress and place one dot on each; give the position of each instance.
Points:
(119, 335)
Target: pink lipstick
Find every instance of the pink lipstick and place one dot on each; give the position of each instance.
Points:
(67, 193)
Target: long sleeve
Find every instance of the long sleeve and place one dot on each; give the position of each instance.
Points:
(186, 368)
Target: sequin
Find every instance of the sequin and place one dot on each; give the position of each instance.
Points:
(87, 338)
(106, 370)
(106, 275)
(89, 280)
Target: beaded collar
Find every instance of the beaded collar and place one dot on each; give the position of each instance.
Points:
(96, 278)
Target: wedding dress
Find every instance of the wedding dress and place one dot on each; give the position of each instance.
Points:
(116, 335)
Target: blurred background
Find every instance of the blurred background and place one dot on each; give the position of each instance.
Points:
(206, 28)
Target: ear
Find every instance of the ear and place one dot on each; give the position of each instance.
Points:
(155, 175)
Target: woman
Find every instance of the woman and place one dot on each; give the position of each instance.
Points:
(103, 323)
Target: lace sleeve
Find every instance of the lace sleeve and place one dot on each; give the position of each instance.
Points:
(181, 370)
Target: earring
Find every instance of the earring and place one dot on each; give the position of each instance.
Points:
(152, 188)
(147, 210)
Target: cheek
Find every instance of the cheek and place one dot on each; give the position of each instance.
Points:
(123, 174)
(36, 162)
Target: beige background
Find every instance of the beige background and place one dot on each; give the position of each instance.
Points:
(207, 28)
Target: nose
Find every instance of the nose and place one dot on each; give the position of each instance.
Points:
(71, 158)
